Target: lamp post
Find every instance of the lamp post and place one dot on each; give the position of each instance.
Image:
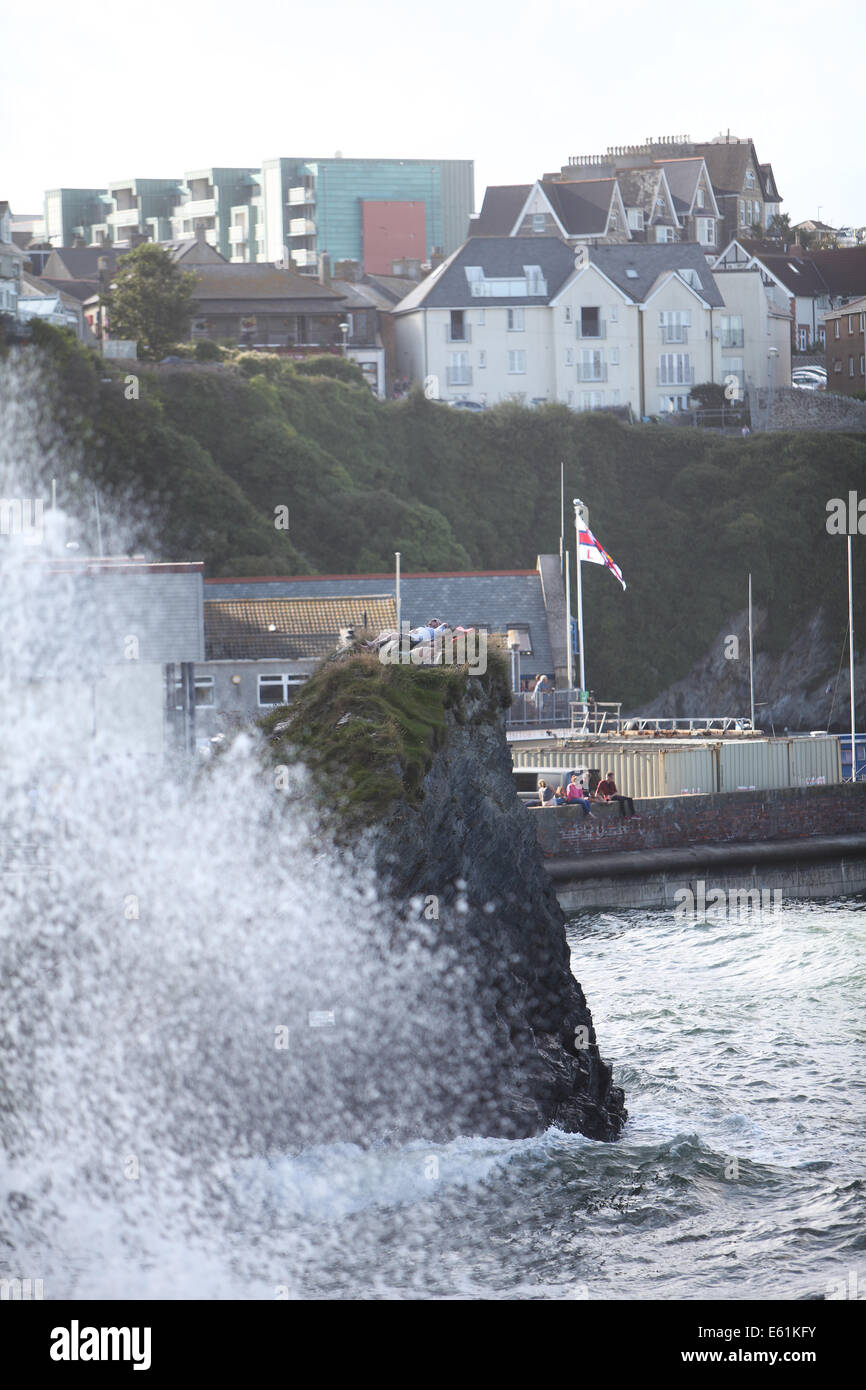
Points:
(344, 329)
(772, 354)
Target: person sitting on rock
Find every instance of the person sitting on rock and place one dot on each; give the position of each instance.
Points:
(606, 791)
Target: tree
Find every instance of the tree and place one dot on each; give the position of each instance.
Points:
(780, 226)
(150, 299)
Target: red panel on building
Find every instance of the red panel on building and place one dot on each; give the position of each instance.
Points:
(391, 232)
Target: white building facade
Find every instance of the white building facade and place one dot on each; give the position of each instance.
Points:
(634, 326)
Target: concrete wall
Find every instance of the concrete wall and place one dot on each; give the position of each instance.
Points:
(842, 874)
(732, 817)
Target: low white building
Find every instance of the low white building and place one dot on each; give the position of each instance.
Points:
(11, 264)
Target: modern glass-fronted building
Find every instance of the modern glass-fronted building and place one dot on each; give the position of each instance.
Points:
(361, 209)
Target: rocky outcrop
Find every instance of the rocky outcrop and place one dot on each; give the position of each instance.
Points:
(805, 688)
(506, 1045)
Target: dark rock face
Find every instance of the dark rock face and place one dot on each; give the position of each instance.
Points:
(471, 847)
(804, 688)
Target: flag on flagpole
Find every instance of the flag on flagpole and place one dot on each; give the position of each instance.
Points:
(593, 553)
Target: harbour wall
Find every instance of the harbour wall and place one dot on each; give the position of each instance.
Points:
(806, 842)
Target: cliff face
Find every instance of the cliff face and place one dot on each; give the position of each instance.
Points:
(802, 689)
(457, 851)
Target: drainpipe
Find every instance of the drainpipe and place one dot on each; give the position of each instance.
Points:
(712, 364)
(425, 347)
(640, 359)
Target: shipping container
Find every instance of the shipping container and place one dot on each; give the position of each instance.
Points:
(814, 762)
(667, 768)
(753, 765)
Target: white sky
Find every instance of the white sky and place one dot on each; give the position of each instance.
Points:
(89, 94)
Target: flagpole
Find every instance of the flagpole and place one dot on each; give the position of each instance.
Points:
(851, 663)
(562, 550)
(751, 661)
(580, 513)
(568, 620)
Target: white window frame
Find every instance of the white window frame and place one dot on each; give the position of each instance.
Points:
(567, 313)
(459, 372)
(515, 321)
(539, 218)
(482, 357)
(675, 369)
(517, 362)
(614, 357)
(202, 683)
(289, 682)
(613, 313)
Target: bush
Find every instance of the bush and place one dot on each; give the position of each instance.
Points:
(260, 364)
(206, 350)
(709, 394)
(327, 364)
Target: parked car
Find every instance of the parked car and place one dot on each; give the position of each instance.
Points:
(812, 378)
(466, 405)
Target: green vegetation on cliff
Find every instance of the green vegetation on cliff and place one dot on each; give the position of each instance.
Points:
(368, 731)
(208, 452)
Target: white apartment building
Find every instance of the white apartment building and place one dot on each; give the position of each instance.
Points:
(533, 320)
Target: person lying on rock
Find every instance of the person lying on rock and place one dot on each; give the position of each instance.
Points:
(606, 791)
(576, 794)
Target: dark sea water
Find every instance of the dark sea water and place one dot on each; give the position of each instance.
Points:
(741, 1045)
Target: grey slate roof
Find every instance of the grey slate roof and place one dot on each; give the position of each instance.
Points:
(80, 262)
(500, 210)
(499, 257)
(651, 260)
(582, 207)
(493, 600)
(682, 176)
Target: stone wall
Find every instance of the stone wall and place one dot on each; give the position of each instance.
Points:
(787, 813)
(794, 409)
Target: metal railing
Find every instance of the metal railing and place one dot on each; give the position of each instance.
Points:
(683, 377)
(544, 711)
(732, 337)
(586, 330)
(596, 371)
(458, 335)
(563, 710)
(674, 333)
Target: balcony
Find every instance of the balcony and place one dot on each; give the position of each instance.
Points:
(238, 234)
(453, 334)
(682, 377)
(459, 376)
(302, 226)
(299, 196)
(732, 337)
(301, 257)
(126, 218)
(594, 371)
(201, 207)
(589, 329)
(674, 333)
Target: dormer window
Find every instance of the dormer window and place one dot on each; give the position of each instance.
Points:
(700, 198)
(750, 178)
(691, 278)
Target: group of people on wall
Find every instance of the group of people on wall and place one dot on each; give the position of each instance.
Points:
(574, 793)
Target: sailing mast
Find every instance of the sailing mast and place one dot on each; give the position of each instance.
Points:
(851, 663)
